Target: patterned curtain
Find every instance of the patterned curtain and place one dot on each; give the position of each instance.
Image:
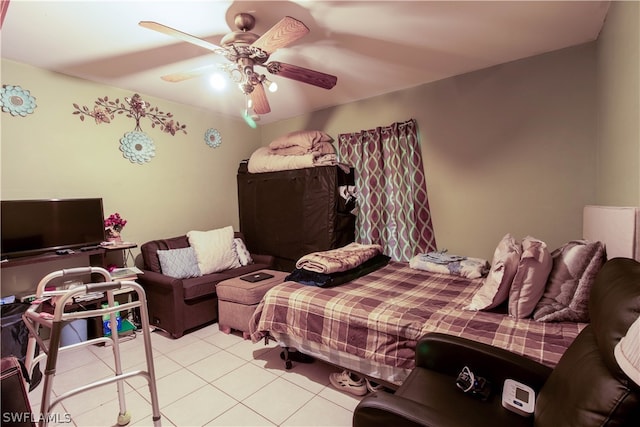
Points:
(392, 191)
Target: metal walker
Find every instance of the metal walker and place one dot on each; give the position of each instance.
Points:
(34, 318)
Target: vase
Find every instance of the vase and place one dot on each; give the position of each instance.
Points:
(114, 236)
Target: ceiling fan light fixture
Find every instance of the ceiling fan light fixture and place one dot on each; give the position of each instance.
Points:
(218, 81)
(272, 86)
(244, 50)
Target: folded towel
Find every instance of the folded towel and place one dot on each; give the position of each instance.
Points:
(471, 268)
(441, 257)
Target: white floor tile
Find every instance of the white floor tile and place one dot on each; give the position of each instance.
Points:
(163, 343)
(270, 361)
(320, 412)
(346, 400)
(199, 407)
(244, 381)
(107, 413)
(203, 378)
(73, 359)
(192, 352)
(223, 340)
(80, 376)
(238, 416)
(177, 385)
(205, 332)
(248, 350)
(163, 366)
(216, 365)
(92, 399)
(278, 400)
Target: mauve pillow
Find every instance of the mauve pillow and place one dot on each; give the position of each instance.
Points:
(530, 279)
(495, 289)
(566, 296)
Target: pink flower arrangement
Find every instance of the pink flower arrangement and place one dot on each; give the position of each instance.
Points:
(115, 222)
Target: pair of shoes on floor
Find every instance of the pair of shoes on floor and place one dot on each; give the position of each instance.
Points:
(349, 382)
(373, 386)
(352, 383)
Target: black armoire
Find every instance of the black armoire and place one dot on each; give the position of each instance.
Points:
(291, 213)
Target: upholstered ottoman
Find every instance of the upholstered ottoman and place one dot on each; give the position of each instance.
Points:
(238, 299)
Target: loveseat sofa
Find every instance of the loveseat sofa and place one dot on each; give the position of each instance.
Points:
(178, 305)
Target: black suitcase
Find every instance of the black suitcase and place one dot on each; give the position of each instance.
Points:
(15, 337)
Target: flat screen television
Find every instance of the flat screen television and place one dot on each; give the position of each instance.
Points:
(33, 227)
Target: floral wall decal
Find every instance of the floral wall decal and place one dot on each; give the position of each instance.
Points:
(136, 146)
(213, 138)
(17, 101)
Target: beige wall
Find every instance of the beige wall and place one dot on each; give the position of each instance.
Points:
(618, 166)
(519, 147)
(506, 149)
(52, 154)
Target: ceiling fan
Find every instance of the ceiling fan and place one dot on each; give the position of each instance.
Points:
(246, 50)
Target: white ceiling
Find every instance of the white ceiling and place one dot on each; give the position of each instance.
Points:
(373, 47)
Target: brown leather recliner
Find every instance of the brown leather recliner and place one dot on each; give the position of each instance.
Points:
(178, 305)
(586, 388)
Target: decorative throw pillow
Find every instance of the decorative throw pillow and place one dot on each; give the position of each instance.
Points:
(244, 257)
(530, 279)
(179, 263)
(566, 296)
(214, 249)
(495, 289)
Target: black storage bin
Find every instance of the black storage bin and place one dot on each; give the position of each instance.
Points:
(15, 337)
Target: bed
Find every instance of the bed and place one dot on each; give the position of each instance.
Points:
(371, 324)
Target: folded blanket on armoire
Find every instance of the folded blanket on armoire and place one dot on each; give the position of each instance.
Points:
(263, 160)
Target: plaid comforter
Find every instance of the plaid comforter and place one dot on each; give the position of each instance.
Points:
(380, 317)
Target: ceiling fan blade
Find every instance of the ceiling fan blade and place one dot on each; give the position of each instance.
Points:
(179, 35)
(259, 100)
(301, 74)
(185, 75)
(281, 34)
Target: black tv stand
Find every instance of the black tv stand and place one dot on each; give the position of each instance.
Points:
(96, 258)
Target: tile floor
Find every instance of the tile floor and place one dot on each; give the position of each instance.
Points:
(205, 378)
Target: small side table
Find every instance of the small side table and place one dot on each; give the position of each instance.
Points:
(125, 247)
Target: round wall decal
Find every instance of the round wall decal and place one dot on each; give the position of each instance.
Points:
(138, 147)
(213, 138)
(17, 101)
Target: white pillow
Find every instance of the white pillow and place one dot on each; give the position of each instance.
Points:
(495, 289)
(214, 249)
(530, 279)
